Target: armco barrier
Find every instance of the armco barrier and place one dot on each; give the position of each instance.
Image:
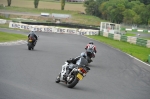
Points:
(149, 59)
(148, 43)
(129, 39)
(111, 36)
(141, 42)
(105, 34)
(117, 37)
(101, 33)
(42, 28)
(123, 38)
(136, 30)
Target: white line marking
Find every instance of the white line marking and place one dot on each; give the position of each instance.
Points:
(138, 59)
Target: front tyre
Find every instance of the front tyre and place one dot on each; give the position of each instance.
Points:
(57, 79)
(73, 82)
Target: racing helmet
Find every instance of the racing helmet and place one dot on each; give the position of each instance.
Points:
(83, 55)
(91, 42)
(32, 31)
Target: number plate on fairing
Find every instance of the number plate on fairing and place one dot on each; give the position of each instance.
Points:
(79, 76)
(30, 40)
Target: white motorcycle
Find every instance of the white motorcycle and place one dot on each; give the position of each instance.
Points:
(77, 73)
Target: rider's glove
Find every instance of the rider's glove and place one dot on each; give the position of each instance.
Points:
(69, 61)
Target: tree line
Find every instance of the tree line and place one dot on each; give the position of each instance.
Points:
(120, 11)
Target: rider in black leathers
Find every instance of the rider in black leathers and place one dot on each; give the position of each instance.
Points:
(34, 36)
(80, 60)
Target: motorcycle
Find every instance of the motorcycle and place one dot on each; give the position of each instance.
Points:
(31, 43)
(76, 74)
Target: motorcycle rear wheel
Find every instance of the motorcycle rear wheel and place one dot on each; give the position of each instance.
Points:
(73, 83)
(29, 48)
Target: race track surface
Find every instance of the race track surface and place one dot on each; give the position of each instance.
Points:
(28, 74)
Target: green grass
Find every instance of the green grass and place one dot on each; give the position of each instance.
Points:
(130, 34)
(139, 52)
(6, 37)
(4, 25)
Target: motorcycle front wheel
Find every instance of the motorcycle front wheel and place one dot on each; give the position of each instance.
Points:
(57, 79)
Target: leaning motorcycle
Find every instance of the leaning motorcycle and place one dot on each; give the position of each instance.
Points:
(75, 75)
(30, 43)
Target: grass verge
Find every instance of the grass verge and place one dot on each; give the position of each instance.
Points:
(139, 52)
(4, 25)
(6, 37)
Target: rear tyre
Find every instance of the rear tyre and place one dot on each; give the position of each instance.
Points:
(73, 83)
(29, 48)
(32, 48)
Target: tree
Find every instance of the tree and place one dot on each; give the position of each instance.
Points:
(138, 8)
(149, 23)
(100, 1)
(137, 19)
(128, 11)
(128, 16)
(120, 8)
(146, 2)
(91, 7)
(62, 4)
(9, 2)
(145, 15)
(103, 10)
(89, 4)
(112, 10)
(36, 3)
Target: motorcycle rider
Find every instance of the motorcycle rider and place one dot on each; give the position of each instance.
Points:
(33, 36)
(91, 47)
(80, 60)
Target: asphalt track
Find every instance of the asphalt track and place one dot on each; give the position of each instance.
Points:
(28, 74)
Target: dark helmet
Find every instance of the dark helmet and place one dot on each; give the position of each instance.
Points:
(91, 42)
(32, 31)
(83, 55)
